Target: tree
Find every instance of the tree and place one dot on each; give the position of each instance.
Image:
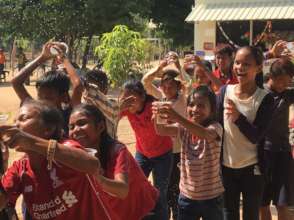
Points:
(170, 16)
(122, 51)
(66, 20)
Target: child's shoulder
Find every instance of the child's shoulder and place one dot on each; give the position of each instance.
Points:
(216, 126)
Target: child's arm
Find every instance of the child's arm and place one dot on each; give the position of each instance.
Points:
(193, 128)
(77, 90)
(24, 73)
(77, 87)
(118, 187)
(253, 131)
(148, 79)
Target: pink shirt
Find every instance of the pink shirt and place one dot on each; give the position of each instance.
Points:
(148, 142)
(142, 195)
(59, 194)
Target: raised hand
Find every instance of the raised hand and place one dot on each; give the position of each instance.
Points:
(46, 54)
(231, 111)
(127, 102)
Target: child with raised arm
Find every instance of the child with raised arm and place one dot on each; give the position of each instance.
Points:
(51, 90)
(200, 183)
(153, 152)
(170, 89)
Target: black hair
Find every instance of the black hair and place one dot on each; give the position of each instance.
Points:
(255, 52)
(205, 91)
(257, 55)
(50, 116)
(137, 87)
(282, 66)
(97, 77)
(106, 141)
(223, 49)
(56, 80)
(171, 74)
(207, 65)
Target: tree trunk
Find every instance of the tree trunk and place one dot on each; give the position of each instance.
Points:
(86, 51)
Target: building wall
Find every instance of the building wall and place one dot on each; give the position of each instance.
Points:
(205, 37)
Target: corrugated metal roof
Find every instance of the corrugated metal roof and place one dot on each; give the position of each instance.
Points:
(242, 11)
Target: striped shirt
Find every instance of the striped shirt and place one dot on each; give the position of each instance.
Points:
(109, 107)
(200, 165)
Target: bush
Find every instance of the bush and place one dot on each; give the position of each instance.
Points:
(122, 52)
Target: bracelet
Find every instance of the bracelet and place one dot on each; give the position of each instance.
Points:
(51, 153)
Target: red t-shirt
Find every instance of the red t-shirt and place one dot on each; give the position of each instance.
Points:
(148, 142)
(231, 81)
(142, 196)
(59, 194)
(2, 58)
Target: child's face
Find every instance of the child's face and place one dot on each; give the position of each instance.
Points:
(200, 76)
(169, 88)
(50, 95)
(84, 130)
(199, 109)
(223, 61)
(138, 103)
(245, 66)
(280, 83)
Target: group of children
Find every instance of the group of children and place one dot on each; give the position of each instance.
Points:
(225, 134)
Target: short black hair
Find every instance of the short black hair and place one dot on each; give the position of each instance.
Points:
(98, 77)
(282, 66)
(54, 79)
(50, 116)
(223, 49)
(135, 86)
(207, 65)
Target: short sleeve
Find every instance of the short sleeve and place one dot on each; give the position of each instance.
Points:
(121, 161)
(11, 181)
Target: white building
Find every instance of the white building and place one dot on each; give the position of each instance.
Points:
(206, 13)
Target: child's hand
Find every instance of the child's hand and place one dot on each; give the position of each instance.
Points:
(231, 111)
(127, 102)
(162, 64)
(167, 112)
(13, 137)
(46, 54)
(61, 51)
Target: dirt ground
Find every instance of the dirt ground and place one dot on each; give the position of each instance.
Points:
(10, 103)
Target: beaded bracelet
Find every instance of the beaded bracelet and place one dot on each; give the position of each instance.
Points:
(51, 153)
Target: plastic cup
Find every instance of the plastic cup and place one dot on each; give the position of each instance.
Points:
(159, 119)
(91, 151)
(54, 51)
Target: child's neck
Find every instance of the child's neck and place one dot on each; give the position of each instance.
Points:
(244, 91)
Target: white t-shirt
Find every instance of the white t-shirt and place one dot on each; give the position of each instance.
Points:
(238, 151)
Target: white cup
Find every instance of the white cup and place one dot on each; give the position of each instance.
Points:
(159, 104)
(54, 51)
(91, 151)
